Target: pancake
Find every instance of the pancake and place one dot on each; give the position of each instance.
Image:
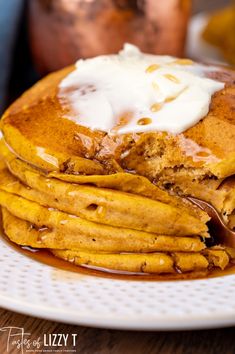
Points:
(19, 231)
(119, 201)
(125, 182)
(148, 263)
(58, 144)
(122, 181)
(25, 233)
(64, 144)
(84, 251)
(220, 194)
(104, 205)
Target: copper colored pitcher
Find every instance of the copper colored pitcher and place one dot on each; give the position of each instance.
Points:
(61, 31)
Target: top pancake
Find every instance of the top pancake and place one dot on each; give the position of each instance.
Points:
(36, 129)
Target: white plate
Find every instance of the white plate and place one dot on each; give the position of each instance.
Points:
(32, 288)
(196, 47)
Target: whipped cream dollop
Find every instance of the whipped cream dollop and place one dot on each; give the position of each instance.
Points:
(134, 92)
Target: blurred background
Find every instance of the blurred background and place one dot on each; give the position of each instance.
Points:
(39, 36)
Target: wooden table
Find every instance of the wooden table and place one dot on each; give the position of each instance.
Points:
(101, 341)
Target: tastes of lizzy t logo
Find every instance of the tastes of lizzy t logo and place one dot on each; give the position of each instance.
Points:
(18, 339)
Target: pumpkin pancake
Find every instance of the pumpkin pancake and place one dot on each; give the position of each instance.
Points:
(222, 195)
(40, 236)
(83, 251)
(36, 129)
(148, 263)
(101, 198)
(58, 187)
(178, 224)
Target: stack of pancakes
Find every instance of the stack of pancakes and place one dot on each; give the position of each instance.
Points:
(116, 202)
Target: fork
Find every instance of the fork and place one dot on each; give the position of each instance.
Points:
(219, 231)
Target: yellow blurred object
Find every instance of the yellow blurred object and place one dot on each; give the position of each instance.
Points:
(220, 32)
